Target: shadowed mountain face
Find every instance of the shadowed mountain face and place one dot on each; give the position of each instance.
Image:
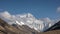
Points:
(9, 29)
(54, 27)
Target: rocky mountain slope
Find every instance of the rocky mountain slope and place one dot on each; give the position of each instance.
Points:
(52, 32)
(9, 29)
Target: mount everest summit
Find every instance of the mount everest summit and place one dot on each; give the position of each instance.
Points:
(27, 19)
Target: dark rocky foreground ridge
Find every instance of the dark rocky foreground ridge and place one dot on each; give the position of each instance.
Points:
(12, 29)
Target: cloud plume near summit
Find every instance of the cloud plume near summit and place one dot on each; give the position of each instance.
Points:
(27, 19)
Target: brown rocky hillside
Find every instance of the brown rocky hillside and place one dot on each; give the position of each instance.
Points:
(52, 32)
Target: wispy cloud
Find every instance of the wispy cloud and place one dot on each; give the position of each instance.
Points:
(5, 14)
(58, 9)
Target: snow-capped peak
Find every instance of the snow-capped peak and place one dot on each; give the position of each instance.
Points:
(27, 19)
(28, 15)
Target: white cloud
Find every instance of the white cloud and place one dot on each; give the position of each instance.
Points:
(58, 9)
(47, 20)
(5, 14)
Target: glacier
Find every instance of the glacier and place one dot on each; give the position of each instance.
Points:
(27, 19)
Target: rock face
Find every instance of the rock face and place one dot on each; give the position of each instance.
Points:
(9, 29)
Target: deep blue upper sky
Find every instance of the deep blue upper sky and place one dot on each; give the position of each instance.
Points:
(39, 8)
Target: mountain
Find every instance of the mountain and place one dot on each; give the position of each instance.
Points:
(5, 28)
(27, 19)
(12, 29)
(26, 24)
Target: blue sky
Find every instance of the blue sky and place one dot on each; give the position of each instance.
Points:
(39, 8)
